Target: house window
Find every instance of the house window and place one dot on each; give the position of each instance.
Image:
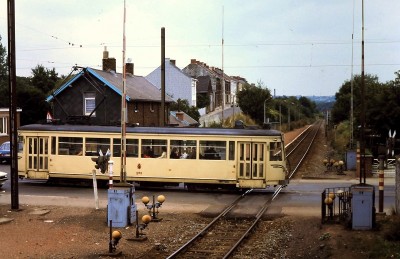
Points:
(3, 126)
(90, 103)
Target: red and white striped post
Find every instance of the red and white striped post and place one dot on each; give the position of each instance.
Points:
(358, 168)
(110, 174)
(381, 182)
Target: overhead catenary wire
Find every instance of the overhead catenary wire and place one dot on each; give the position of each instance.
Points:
(216, 45)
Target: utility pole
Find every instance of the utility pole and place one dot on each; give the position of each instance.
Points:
(123, 106)
(223, 77)
(12, 83)
(352, 86)
(362, 137)
(162, 123)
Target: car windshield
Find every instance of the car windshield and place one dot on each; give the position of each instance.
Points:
(5, 146)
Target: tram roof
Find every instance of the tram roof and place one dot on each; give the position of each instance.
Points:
(151, 130)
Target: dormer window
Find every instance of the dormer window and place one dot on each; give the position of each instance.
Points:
(89, 103)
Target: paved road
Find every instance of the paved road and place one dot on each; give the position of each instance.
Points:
(301, 196)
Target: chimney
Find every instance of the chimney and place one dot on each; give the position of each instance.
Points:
(108, 63)
(193, 61)
(172, 62)
(179, 115)
(105, 53)
(129, 68)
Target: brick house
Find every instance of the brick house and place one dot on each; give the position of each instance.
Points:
(178, 85)
(5, 123)
(210, 82)
(93, 96)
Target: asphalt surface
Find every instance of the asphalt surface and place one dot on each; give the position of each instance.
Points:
(299, 197)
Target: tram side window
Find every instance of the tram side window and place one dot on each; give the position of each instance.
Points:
(70, 146)
(94, 145)
(132, 147)
(231, 150)
(53, 145)
(183, 149)
(275, 151)
(153, 148)
(212, 150)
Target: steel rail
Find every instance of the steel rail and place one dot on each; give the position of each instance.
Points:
(280, 187)
(298, 141)
(307, 150)
(201, 233)
(261, 212)
(256, 220)
(277, 190)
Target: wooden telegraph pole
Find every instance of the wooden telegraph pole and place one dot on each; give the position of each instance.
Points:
(12, 83)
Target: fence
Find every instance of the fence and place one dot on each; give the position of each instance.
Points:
(336, 205)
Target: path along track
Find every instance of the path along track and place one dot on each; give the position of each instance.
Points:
(223, 235)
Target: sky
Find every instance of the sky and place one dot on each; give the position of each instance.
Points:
(291, 47)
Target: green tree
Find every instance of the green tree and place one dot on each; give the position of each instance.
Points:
(342, 107)
(251, 100)
(31, 92)
(44, 79)
(382, 106)
(32, 102)
(202, 100)
(308, 107)
(3, 64)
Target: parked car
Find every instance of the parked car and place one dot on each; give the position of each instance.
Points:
(3, 178)
(5, 155)
(5, 152)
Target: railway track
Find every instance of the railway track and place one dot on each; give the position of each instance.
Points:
(297, 150)
(223, 235)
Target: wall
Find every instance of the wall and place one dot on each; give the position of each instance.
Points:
(4, 116)
(177, 84)
(70, 102)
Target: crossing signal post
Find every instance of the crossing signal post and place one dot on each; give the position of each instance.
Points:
(101, 163)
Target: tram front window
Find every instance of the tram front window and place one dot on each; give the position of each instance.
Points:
(275, 151)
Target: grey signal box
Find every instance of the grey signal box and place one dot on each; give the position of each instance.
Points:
(121, 206)
(363, 210)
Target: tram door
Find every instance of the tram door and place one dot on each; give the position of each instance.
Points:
(38, 157)
(251, 160)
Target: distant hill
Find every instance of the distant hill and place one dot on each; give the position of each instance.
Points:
(324, 103)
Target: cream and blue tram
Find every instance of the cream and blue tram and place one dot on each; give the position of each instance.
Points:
(241, 158)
